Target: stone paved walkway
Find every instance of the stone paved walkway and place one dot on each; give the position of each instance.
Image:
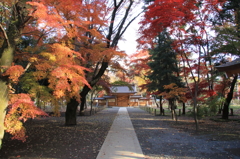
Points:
(121, 141)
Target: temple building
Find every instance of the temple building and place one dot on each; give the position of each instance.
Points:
(123, 96)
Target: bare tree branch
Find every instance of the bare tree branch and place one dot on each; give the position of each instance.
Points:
(130, 23)
(5, 34)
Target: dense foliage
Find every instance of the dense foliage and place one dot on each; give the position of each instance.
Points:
(204, 34)
(53, 51)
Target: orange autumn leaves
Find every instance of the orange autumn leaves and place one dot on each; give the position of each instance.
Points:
(69, 37)
(61, 66)
(172, 91)
(14, 72)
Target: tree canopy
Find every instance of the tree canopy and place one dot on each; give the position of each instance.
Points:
(53, 50)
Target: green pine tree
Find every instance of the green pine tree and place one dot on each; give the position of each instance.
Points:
(163, 64)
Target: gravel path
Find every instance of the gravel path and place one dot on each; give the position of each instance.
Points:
(159, 141)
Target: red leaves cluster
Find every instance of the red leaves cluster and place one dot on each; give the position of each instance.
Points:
(138, 62)
(165, 13)
(188, 24)
(175, 15)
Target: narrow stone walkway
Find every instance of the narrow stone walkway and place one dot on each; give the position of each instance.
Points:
(121, 141)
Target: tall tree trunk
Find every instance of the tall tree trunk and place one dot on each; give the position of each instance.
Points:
(82, 104)
(229, 98)
(91, 102)
(161, 106)
(155, 100)
(71, 112)
(73, 104)
(3, 107)
(195, 106)
(195, 112)
(5, 61)
(183, 108)
(172, 107)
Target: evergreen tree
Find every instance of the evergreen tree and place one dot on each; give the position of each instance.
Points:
(163, 64)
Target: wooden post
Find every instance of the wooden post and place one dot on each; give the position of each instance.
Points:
(179, 112)
(163, 112)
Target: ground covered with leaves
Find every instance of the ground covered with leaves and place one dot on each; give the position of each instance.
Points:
(159, 137)
(49, 138)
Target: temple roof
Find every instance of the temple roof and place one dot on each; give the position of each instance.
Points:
(232, 63)
(231, 68)
(109, 97)
(123, 89)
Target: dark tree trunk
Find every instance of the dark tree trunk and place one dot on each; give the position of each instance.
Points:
(73, 104)
(183, 108)
(161, 106)
(228, 99)
(155, 100)
(82, 104)
(172, 107)
(71, 112)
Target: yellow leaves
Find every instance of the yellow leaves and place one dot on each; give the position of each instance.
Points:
(59, 93)
(20, 109)
(60, 65)
(49, 56)
(64, 54)
(32, 59)
(15, 128)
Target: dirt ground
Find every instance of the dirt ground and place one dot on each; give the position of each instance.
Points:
(214, 125)
(49, 138)
(162, 138)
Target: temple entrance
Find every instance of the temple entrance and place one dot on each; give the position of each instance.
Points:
(123, 101)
